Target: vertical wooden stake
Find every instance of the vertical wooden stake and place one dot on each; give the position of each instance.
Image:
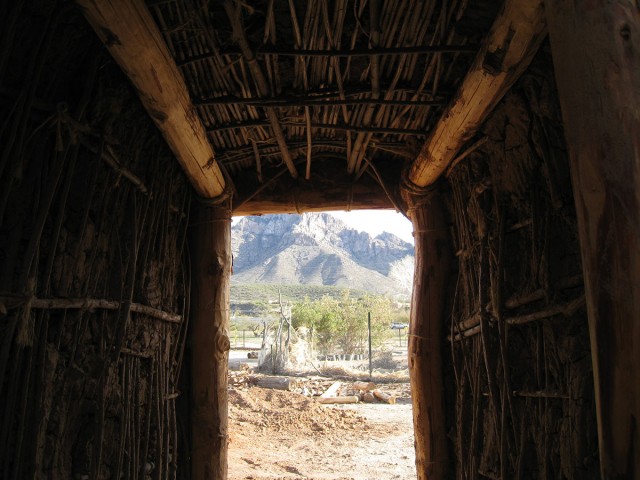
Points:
(432, 259)
(596, 53)
(370, 357)
(209, 340)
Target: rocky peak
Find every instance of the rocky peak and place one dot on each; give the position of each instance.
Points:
(303, 248)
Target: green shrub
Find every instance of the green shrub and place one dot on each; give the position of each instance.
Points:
(341, 323)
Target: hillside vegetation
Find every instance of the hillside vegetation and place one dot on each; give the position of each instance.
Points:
(267, 292)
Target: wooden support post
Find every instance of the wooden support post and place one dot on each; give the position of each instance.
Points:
(596, 54)
(209, 340)
(432, 258)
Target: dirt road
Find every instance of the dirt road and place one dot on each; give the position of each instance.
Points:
(283, 435)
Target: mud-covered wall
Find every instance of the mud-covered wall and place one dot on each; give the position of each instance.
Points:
(519, 380)
(93, 278)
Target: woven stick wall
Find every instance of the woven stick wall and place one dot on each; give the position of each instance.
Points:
(520, 397)
(93, 290)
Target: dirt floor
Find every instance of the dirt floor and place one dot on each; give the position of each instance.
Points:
(277, 434)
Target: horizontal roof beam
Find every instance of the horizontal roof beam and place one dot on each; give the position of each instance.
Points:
(348, 91)
(134, 41)
(240, 154)
(313, 197)
(311, 101)
(328, 126)
(354, 52)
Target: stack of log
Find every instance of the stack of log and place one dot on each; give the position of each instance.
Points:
(239, 379)
(358, 392)
(327, 393)
(278, 383)
(315, 388)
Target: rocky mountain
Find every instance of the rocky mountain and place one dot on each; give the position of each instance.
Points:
(314, 249)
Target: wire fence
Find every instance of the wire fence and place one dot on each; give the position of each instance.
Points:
(249, 339)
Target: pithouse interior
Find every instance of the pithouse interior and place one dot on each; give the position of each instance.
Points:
(131, 131)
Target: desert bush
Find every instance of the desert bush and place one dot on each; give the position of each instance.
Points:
(341, 323)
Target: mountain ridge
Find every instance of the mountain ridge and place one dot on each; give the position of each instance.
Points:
(314, 249)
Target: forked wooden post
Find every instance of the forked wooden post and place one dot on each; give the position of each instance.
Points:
(596, 54)
(209, 340)
(432, 261)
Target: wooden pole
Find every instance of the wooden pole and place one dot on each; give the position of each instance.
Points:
(370, 357)
(356, 52)
(209, 340)
(315, 197)
(511, 44)
(596, 54)
(326, 126)
(310, 101)
(432, 258)
(135, 43)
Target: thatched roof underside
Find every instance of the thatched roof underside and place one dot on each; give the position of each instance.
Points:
(338, 93)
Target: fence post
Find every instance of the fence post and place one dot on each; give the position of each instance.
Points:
(370, 363)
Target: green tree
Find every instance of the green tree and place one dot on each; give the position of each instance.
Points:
(341, 323)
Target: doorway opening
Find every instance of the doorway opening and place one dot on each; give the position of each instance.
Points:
(318, 380)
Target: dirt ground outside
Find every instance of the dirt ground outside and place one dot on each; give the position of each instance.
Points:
(278, 434)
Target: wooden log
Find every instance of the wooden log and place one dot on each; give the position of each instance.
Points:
(432, 260)
(355, 52)
(469, 327)
(310, 101)
(134, 41)
(541, 394)
(319, 95)
(566, 309)
(596, 54)
(470, 322)
(209, 340)
(507, 51)
(569, 282)
(364, 386)
(86, 304)
(320, 143)
(332, 390)
(316, 197)
(384, 397)
(368, 397)
(263, 123)
(277, 383)
(465, 334)
(331, 400)
(109, 157)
